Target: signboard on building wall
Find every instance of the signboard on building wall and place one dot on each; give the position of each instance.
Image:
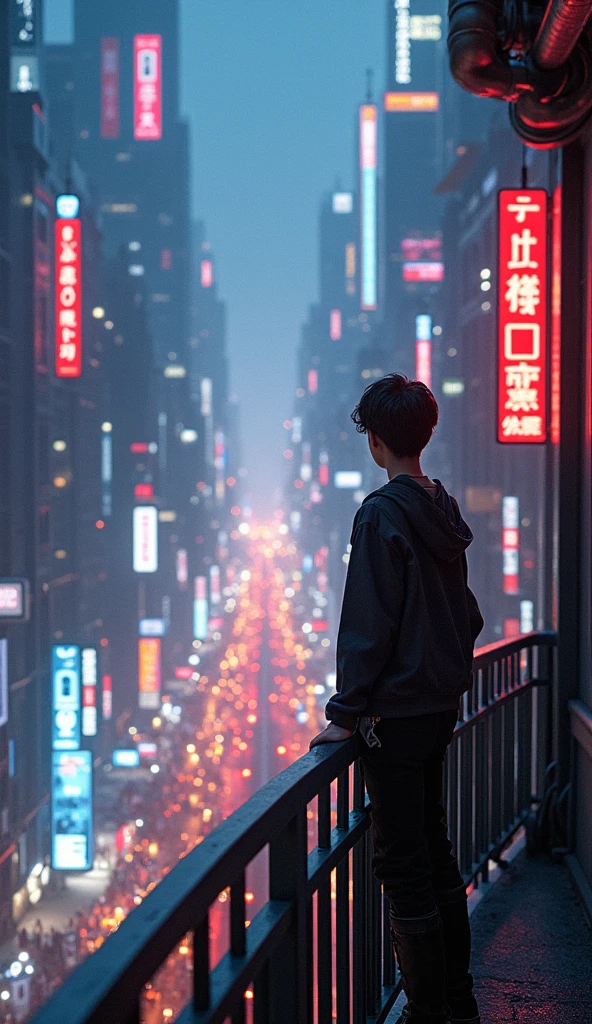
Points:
(411, 102)
(148, 87)
(14, 599)
(71, 811)
(522, 316)
(145, 539)
(68, 288)
(109, 87)
(90, 672)
(368, 209)
(3, 682)
(149, 673)
(65, 670)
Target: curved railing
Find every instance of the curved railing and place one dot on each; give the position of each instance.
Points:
(495, 768)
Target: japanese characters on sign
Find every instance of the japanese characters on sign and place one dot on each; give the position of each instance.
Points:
(522, 316)
(147, 87)
(68, 288)
(149, 673)
(109, 87)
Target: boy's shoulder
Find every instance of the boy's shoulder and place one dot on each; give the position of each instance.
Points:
(383, 514)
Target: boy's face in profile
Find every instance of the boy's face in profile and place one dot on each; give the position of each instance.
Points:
(378, 449)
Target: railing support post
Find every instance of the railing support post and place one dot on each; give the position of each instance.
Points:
(290, 967)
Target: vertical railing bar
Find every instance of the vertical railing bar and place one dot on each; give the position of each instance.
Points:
(133, 1017)
(237, 916)
(343, 799)
(359, 789)
(261, 997)
(324, 952)
(324, 818)
(359, 932)
(201, 964)
(342, 941)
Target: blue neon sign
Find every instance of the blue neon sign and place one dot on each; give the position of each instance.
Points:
(65, 671)
(368, 206)
(71, 811)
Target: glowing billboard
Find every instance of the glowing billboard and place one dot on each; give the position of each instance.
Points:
(510, 543)
(145, 543)
(347, 478)
(411, 102)
(423, 349)
(109, 87)
(107, 705)
(335, 324)
(148, 87)
(3, 682)
(71, 811)
(89, 691)
(152, 627)
(402, 42)
(65, 670)
(149, 673)
(368, 206)
(206, 274)
(68, 292)
(343, 202)
(522, 316)
(14, 599)
(200, 609)
(423, 272)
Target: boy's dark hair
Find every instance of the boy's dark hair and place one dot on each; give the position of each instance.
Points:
(402, 412)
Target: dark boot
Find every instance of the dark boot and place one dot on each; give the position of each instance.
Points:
(457, 944)
(419, 948)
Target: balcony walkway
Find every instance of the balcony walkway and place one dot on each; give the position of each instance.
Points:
(532, 948)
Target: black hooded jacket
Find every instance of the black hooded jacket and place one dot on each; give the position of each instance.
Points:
(409, 621)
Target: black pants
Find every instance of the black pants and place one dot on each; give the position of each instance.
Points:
(413, 855)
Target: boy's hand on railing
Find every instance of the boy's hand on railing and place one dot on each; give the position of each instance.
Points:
(332, 734)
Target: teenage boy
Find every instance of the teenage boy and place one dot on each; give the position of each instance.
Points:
(404, 658)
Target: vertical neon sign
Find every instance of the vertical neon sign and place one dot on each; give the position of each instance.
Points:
(147, 87)
(423, 349)
(522, 316)
(368, 297)
(68, 289)
(109, 87)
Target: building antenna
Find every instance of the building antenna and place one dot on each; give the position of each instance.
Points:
(369, 85)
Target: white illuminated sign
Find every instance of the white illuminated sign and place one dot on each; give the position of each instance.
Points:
(152, 627)
(145, 524)
(206, 397)
(14, 599)
(3, 682)
(368, 126)
(72, 811)
(65, 664)
(347, 478)
(89, 691)
(343, 202)
(402, 43)
(67, 206)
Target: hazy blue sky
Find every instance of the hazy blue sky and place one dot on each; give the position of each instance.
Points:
(270, 88)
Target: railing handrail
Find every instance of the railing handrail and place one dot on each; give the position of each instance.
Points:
(180, 901)
(491, 652)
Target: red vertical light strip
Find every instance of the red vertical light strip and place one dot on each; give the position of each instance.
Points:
(147, 87)
(522, 316)
(555, 314)
(109, 87)
(68, 357)
(423, 362)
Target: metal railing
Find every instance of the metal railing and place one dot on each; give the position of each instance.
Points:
(327, 896)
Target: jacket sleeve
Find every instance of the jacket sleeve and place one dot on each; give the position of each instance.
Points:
(475, 617)
(370, 615)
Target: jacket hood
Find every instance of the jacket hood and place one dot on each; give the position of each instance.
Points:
(437, 520)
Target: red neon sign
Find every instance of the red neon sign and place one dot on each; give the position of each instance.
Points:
(68, 360)
(207, 275)
(555, 315)
(335, 324)
(109, 87)
(417, 271)
(147, 87)
(522, 316)
(423, 362)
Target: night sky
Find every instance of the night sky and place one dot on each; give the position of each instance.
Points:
(270, 89)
